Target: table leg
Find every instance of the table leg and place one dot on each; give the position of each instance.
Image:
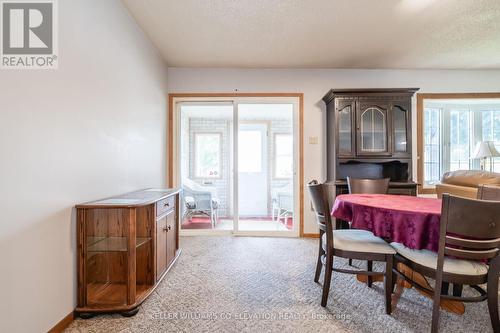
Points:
(456, 307)
(364, 278)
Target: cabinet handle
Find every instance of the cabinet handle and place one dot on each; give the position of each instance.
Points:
(166, 204)
(166, 229)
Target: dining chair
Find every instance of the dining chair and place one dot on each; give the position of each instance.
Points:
(484, 192)
(468, 254)
(347, 243)
(367, 186)
(488, 192)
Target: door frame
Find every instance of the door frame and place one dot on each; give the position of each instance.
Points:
(173, 154)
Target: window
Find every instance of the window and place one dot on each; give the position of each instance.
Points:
(250, 151)
(451, 130)
(432, 145)
(490, 120)
(283, 155)
(207, 160)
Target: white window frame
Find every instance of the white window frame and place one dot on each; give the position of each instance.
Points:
(195, 155)
(475, 128)
(275, 155)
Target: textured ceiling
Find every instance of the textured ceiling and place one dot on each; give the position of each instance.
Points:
(323, 33)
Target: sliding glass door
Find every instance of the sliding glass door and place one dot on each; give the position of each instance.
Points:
(206, 140)
(237, 166)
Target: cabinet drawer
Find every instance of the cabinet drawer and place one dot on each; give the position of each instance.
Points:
(165, 205)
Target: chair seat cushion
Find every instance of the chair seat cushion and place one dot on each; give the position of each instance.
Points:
(429, 259)
(358, 241)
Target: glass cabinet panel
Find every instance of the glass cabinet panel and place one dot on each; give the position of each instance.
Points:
(373, 130)
(345, 138)
(400, 130)
(106, 257)
(144, 251)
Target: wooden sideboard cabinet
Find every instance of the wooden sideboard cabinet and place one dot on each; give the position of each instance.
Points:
(125, 244)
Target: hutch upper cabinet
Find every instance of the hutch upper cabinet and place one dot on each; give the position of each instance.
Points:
(369, 136)
(125, 246)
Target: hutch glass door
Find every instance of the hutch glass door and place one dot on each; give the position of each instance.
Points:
(345, 130)
(372, 130)
(400, 124)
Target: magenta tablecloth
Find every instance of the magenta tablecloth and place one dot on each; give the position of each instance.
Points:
(409, 220)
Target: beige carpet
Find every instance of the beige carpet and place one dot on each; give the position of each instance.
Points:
(244, 284)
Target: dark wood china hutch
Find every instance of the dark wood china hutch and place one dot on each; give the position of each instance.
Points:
(369, 136)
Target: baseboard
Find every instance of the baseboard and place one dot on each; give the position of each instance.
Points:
(60, 326)
(310, 235)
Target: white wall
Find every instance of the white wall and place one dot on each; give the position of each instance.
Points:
(95, 127)
(314, 84)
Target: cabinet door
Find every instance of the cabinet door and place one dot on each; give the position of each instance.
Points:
(345, 120)
(372, 129)
(401, 122)
(161, 246)
(171, 237)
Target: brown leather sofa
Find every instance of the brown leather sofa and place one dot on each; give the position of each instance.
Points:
(465, 183)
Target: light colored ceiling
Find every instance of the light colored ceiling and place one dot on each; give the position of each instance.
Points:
(323, 33)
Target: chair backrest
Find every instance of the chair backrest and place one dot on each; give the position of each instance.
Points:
(319, 201)
(469, 228)
(488, 192)
(368, 186)
(190, 187)
(471, 178)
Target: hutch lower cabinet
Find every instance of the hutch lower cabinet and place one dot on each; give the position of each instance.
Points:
(125, 245)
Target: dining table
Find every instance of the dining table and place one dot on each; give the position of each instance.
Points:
(409, 220)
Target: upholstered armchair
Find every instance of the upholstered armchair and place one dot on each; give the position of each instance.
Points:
(465, 183)
(199, 199)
